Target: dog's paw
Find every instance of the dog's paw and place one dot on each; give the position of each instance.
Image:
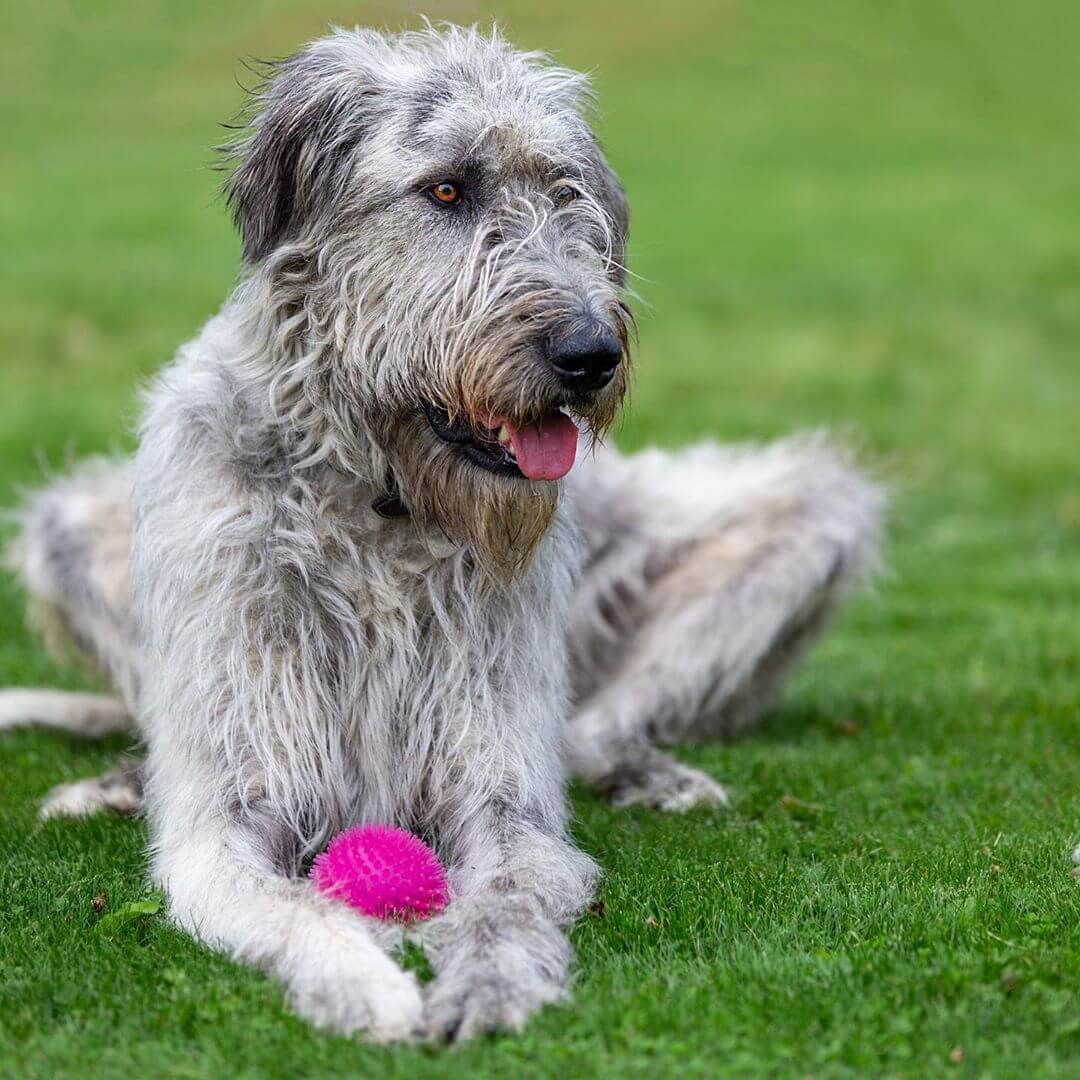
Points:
(380, 1002)
(87, 797)
(464, 1004)
(498, 961)
(664, 784)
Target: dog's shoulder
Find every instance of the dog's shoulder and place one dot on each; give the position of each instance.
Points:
(201, 421)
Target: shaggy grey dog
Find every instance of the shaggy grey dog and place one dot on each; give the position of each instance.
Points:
(362, 585)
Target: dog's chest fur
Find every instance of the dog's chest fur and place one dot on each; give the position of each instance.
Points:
(440, 664)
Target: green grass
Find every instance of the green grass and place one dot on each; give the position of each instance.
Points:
(854, 214)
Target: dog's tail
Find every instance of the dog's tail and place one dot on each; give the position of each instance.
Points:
(71, 554)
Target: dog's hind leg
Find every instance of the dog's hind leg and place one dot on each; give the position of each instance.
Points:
(712, 571)
(71, 553)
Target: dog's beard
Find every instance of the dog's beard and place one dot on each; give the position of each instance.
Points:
(500, 519)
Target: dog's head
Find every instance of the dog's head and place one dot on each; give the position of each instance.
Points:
(441, 243)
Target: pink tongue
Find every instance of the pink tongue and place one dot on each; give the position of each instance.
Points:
(545, 450)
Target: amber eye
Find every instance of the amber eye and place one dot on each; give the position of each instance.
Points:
(565, 195)
(446, 192)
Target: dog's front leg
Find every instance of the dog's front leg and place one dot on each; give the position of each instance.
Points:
(500, 952)
(224, 887)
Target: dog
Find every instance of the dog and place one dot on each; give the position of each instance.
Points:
(354, 574)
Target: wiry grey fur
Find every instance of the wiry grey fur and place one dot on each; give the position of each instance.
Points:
(296, 662)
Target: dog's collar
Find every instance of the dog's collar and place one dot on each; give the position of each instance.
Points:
(389, 505)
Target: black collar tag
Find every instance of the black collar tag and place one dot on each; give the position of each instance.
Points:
(390, 505)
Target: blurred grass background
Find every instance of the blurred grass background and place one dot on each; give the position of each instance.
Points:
(851, 214)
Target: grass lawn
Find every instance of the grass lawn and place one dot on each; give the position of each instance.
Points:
(851, 213)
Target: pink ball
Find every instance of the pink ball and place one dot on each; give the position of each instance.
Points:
(382, 871)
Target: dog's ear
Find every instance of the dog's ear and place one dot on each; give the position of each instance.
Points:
(296, 157)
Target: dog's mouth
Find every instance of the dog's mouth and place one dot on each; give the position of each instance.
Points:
(541, 449)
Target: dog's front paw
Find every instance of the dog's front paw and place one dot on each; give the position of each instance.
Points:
(464, 1004)
(497, 963)
(377, 1000)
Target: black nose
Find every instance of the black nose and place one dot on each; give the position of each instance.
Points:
(585, 358)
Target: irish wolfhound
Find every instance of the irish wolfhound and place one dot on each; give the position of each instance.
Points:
(362, 586)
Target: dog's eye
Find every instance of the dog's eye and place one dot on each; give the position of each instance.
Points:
(445, 192)
(565, 195)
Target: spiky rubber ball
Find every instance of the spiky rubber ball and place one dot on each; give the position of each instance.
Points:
(384, 872)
